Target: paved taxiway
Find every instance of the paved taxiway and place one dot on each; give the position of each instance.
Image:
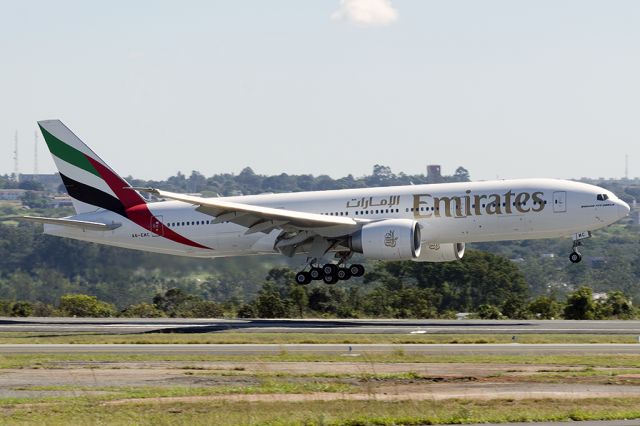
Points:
(145, 325)
(327, 349)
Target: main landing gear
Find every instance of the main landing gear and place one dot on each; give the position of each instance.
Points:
(330, 273)
(575, 256)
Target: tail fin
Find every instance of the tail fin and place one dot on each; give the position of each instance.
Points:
(89, 181)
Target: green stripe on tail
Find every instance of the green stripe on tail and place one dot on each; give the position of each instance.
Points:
(67, 153)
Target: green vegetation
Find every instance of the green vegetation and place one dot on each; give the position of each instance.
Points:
(334, 413)
(39, 273)
(98, 360)
(308, 338)
(484, 283)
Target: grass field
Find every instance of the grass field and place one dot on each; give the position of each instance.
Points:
(347, 413)
(312, 389)
(51, 360)
(308, 338)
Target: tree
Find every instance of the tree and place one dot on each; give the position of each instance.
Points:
(33, 200)
(143, 310)
(619, 305)
(298, 295)
(82, 305)
(489, 312)
(544, 307)
(580, 305)
(461, 175)
(170, 301)
(269, 304)
(247, 311)
(479, 278)
(204, 309)
(22, 309)
(514, 307)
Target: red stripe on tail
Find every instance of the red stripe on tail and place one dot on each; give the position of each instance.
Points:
(136, 207)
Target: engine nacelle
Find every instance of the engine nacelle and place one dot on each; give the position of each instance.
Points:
(390, 239)
(441, 252)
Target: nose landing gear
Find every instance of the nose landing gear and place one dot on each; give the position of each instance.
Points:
(575, 256)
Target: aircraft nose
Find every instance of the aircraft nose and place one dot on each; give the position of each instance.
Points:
(623, 208)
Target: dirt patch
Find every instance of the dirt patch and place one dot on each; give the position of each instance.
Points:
(396, 395)
(374, 380)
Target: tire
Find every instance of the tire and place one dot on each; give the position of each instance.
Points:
(575, 257)
(330, 279)
(316, 273)
(303, 278)
(343, 274)
(356, 270)
(330, 269)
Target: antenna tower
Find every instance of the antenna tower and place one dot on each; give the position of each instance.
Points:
(626, 166)
(16, 170)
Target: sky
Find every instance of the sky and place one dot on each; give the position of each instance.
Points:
(507, 89)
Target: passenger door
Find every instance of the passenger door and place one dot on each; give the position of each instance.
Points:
(559, 202)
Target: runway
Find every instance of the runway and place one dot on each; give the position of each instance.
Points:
(350, 326)
(326, 349)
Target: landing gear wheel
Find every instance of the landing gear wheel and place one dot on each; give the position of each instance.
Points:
(330, 269)
(356, 270)
(343, 274)
(316, 273)
(303, 278)
(575, 257)
(330, 279)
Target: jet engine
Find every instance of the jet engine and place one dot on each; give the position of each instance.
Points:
(390, 239)
(440, 252)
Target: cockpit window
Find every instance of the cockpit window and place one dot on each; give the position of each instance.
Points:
(602, 197)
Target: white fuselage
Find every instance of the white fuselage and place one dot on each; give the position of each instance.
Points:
(448, 213)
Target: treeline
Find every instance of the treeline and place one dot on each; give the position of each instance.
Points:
(482, 284)
(248, 182)
(41, 269)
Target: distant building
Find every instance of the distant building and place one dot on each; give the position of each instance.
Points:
(12, 194)
(434, 175)
(60, 201)
(600, 296)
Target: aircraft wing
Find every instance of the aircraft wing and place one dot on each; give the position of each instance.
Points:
(265, 219)
(82, 224)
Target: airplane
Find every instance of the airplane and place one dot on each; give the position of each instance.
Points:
(423, 223)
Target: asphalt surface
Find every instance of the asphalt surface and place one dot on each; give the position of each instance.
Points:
(588, 423)
(327, 349)
(183, 325)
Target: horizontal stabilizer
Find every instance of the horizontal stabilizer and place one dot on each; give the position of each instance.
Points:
(82, 224)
